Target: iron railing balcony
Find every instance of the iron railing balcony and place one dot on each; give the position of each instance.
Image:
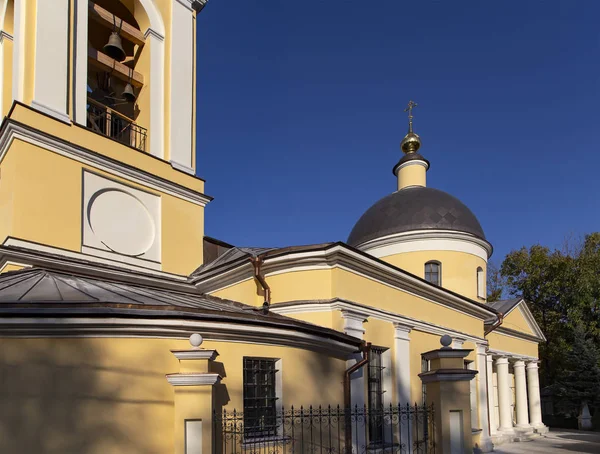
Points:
(106, 121)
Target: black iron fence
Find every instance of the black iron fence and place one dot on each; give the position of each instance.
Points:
(400, 429)
(109, 122)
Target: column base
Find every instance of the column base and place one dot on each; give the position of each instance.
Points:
(540, 429)
(484, 445)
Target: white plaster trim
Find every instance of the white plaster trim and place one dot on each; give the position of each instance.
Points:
(60, 116)
(115, 327)
(441, 376)
(186, 3)
(9, 263)
(192, 354)
(411, 163)
(13, 131)
(516, 335)
(155, 34)
(183, 168)
(401, 322)
(51, 61)
(20, 37)
(504, 355)
(80, 61)
(101, 257)
(157, 94)
(4, 35)
(193, 379)
(427, 241)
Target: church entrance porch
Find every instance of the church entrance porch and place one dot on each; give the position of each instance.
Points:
(514, 398)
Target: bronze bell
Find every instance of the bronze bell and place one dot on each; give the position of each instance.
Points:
(128, 93)
(114, 47)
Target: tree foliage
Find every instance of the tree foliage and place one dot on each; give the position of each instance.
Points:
(562, 288)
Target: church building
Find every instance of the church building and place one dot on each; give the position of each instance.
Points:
(124, 328)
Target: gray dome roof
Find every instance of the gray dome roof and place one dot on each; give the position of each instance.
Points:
(414, 208)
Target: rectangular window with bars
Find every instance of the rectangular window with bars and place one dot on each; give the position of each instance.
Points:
(260, 397)
(375, 385)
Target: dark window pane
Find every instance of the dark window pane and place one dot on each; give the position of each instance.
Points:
(260, 413)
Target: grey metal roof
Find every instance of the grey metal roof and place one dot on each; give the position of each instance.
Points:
(505, 305)
(414, 208)
(32, 291)
(230, 256)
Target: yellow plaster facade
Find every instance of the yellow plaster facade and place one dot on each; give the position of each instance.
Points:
(102, 225)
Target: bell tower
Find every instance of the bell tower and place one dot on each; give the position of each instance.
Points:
(97, 157)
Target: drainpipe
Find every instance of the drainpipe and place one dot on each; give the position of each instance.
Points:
(495, 325)
(257, 262)
(365, 348)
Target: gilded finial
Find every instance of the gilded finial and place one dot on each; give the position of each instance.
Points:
(411, 142)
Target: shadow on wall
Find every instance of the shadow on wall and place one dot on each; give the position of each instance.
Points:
(83, 396)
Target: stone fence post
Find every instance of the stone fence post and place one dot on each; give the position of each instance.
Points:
(193, 405)
(448, 389)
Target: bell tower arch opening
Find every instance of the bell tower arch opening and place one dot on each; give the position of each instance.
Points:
(119, 72)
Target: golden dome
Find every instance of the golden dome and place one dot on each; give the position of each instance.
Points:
(411, 143)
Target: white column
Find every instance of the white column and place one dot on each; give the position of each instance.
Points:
(504, 396)
(81, 61)
(19, 35)
(182, 87)
(353, 326)
(482, 384)
(533, 388)
(457, 342)
(521, 394)
(490, 395)
(50, 92)
(402, 363)
(156, 42)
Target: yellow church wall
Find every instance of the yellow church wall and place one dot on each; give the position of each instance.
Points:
(87, 395)
(143, 96)
(44, 206)
(379, 332)
(245, 292)
(498, 341)
(459, 269)
(366, 291)
(107, 395)
(419, 343)
(301, 285)
(30, 21)
(106, 147)
(308, 378)
(516, 321)
(8, 267)
(325, 319)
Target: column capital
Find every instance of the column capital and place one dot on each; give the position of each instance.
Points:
(519, 363)
(481, 348)
(402, 331)
(353, 323)
(532, 364)
(501, 360)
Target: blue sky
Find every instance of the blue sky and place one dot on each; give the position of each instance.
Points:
(300, 114)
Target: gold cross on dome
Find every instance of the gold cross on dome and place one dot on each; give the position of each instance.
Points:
(411, 106)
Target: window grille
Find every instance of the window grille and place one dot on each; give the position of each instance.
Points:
(433, 273)
(375, 384)
(260, 411)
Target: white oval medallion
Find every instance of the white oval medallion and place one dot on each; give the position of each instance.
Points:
(121, 222)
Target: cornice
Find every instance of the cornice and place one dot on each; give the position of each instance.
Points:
(115, 326)
(13, 130)
(400, 322)
(341, 256)
(191, 354)
(518, 334)
(419, 235)
(193, 379)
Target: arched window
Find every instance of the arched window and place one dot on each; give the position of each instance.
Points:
(433, 272)
(480, 283)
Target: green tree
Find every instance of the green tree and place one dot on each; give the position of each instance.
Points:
(579, 379)
(562, 288)
(495, 282)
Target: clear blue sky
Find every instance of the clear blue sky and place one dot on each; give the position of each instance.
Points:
(300, 114)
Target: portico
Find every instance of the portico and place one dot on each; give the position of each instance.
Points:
(514, 397)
